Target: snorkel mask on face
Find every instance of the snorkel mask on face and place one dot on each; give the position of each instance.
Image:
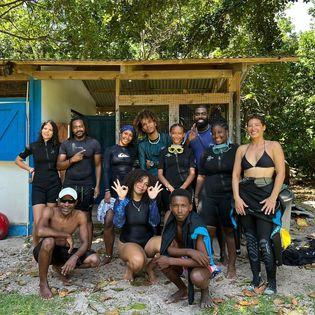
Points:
(176, 149)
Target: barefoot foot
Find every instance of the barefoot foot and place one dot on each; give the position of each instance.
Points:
(107, 259)
(128, 276)
(179, 295)
(231, 273)
(44, 292)
(205, 300)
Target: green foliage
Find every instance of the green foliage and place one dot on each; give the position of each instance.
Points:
(285, 93)
(139, 29)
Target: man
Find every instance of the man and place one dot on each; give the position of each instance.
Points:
(80, 156)
(153, 143)
(199, 137)
(56, 227)
(186, 245)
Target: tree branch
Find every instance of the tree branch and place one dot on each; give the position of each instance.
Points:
(23, 37)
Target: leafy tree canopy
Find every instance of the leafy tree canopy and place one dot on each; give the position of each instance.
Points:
(142, 29)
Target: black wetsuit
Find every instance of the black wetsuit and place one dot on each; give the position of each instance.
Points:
(176, 169)
(118, 162)
(258, 226)
(46, 182)
(80, 175)
(216, 194)
(137, 228)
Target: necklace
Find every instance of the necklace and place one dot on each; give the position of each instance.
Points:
(138, 208)
(156, 141)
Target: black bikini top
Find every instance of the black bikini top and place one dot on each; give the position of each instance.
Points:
(264, 161)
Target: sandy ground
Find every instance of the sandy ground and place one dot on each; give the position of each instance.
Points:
(19, 273)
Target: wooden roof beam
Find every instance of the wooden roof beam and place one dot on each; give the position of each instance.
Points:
(153, 99)
(134, 75)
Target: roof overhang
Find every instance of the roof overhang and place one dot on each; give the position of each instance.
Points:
(131, 69)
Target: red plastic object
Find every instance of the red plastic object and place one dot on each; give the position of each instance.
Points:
(4, 226)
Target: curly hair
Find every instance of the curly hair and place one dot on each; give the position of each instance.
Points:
(144, 114)
(134, 177)
(54, 138)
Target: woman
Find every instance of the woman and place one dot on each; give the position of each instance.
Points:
(176, 165)
(214, 189)
(136, 213)
(46, 181)
(256, 196)
(118, 161)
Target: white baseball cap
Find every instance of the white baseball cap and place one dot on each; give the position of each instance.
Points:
(68, 191)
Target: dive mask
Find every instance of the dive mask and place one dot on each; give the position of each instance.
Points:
(176, 148)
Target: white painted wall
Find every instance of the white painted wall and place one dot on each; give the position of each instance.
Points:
(14, 192)
(60, 96)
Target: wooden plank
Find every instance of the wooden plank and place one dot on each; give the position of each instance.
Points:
(117, 112)
(153, 99)
(176, 74)
(255, 60)
(15, 77)
(74, 75)
(135, 75)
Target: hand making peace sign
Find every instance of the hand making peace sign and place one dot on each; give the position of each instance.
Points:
(121, 190)
(154, 191)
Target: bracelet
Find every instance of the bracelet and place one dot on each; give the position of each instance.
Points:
(76, 255)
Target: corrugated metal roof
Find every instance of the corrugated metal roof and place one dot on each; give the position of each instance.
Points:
(104, 91)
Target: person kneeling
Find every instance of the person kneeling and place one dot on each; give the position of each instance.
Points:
(56, 227)
(186, 245)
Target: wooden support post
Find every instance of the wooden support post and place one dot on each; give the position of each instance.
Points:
(238, 107)
(117, 112)
(173, 114)
(231, 120)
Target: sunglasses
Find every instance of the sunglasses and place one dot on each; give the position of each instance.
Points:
(71, 201)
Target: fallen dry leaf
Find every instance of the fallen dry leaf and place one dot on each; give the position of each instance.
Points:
(112, 312)
(301, 222)
(261, 289)
(62, 293)
(294, 301)
(278, 302)
(248, 293)
(312, 294)
(244, 303)
(217, 300)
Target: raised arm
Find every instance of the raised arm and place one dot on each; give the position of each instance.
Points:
(236, 176)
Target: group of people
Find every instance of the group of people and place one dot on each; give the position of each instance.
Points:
(170, 194)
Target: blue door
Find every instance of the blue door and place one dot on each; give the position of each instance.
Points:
(12, 128)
